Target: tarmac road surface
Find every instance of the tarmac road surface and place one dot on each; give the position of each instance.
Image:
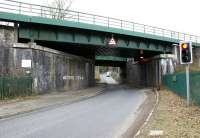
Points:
(104, 116)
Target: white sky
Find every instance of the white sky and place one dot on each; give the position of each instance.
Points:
(177, 15)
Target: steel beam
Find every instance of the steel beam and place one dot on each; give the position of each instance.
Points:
(89, 38)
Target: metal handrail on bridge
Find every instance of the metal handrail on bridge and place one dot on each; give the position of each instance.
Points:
(22, 8)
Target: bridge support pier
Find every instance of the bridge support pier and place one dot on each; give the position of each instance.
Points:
(50, 69)
(144, 75)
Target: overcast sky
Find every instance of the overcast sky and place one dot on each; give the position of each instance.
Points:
(178, 15)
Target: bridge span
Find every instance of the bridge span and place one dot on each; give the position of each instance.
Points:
(63, 50)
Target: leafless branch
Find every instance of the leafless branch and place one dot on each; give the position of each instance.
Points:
(59, 8)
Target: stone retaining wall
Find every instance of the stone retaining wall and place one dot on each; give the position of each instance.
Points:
(51, 70)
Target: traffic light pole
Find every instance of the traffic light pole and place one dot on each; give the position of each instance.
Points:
(186, 58)
(188, 83)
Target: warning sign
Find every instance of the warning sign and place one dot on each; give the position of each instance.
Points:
(112, 42)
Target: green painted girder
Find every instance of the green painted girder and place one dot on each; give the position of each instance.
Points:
(63, 23)
(110, 58)
(89, 38)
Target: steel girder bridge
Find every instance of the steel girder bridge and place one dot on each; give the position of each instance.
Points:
(88, 34)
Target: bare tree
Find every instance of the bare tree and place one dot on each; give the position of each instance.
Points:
(59, 8)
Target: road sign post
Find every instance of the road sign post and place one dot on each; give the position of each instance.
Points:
(186, 58)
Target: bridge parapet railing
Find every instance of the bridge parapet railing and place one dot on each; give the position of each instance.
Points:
(12, 6)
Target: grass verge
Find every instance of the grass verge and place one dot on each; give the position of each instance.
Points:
(174, 118)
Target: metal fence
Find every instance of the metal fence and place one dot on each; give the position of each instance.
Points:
(69, 15)
(177, 83)
(11, 87)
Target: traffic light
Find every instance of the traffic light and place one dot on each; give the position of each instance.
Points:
(186, 52)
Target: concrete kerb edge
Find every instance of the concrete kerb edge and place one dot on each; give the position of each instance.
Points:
(150, 114)
(51, 106)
